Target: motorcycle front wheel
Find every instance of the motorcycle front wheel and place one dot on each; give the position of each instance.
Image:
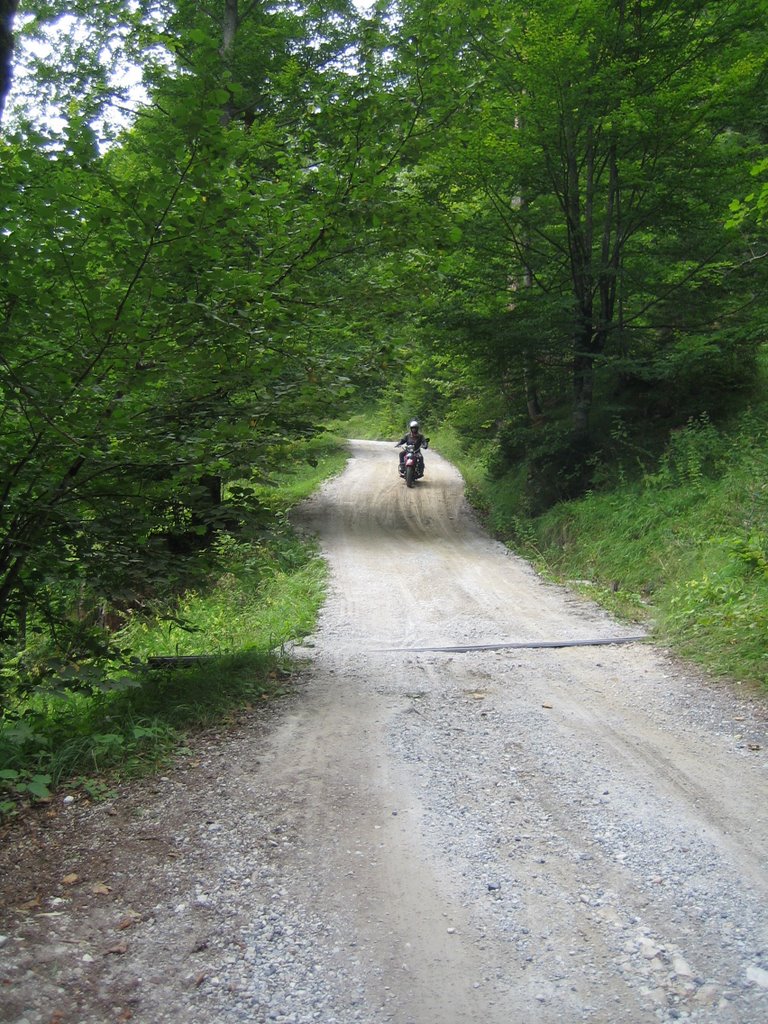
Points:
(409, 476)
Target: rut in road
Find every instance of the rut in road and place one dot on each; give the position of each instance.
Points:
(520, 835)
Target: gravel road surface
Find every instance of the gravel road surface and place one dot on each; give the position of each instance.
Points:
(519, 834)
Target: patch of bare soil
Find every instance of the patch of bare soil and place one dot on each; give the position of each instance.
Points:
(495, 833)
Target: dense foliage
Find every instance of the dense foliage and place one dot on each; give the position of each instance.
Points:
(174, 298)
(593, 278)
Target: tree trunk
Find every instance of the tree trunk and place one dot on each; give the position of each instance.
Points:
(532, 401)
(583, 377)
(7, 13)
(229, 30)
(530, 367)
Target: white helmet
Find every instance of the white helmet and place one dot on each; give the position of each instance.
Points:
(414, 424)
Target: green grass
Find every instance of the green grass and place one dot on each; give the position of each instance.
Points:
(264, 600)
(91, 741)
(685, 549)
(266, 594)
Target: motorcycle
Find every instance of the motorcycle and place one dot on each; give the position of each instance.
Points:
(412, 466)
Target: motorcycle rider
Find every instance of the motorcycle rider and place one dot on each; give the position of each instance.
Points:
(414, 437)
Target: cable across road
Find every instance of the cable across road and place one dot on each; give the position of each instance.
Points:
(517, 646)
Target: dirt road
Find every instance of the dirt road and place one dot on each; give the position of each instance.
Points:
(517, 834)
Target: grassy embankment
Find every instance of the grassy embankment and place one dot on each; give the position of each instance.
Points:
(267, 594)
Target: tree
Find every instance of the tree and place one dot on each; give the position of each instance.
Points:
(588, 168)
(174, 307)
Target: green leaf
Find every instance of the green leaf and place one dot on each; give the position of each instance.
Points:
(38, 786)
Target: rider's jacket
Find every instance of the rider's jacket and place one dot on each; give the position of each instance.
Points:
(419, 439)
